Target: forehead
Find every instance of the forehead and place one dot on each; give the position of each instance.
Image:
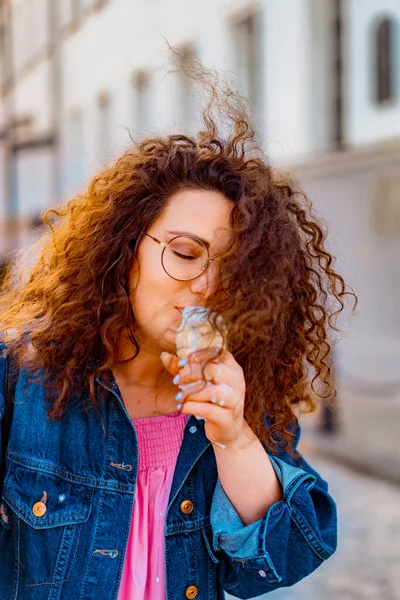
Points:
(203, 213)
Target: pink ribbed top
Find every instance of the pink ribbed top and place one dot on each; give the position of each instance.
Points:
(159, 440)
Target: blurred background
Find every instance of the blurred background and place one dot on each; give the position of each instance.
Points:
(322, 78)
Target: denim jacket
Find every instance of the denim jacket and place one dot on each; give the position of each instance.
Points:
(67, 502)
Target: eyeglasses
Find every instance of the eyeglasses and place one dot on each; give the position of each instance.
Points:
(185, 257)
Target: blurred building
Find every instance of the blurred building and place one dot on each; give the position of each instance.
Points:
(323, 80)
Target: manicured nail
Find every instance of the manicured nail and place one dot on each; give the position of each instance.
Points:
(179, 407)
(175, 380)
(182, 362)
(179, 396)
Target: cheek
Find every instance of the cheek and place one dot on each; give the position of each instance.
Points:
(150, 291)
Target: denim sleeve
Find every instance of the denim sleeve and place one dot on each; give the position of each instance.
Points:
(2, 399)
(295, 536)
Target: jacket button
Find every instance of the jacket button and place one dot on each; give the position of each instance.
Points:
(187, 507)
(191, 591)
(39, 509)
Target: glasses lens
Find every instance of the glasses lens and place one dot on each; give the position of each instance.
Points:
(185, 258)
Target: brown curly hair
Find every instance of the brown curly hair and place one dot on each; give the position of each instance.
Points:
(279, 278)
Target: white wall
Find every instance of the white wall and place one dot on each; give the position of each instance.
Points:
(103, 54)
(126, 36)
(368, 123)
(287, 80)
(297, 111)
(342, 190)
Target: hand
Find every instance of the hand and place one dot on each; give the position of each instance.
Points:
(217, 396)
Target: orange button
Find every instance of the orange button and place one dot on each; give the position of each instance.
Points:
(192, 591)
(187, 507)
(39, 509)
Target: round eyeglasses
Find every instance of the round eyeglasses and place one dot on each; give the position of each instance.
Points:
(185, 257)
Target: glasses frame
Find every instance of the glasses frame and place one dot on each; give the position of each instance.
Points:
(164, 245)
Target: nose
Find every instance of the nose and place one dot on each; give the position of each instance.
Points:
(207, 283)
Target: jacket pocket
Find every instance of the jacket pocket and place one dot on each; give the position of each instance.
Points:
(47, 517)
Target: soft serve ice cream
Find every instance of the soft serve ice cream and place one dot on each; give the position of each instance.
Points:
(196, 332)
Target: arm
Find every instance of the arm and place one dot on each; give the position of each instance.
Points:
(294, 536)
(296, 527)
(248, 477)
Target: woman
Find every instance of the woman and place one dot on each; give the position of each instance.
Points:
(130, 473)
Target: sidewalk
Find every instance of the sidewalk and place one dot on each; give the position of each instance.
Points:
(368, 438)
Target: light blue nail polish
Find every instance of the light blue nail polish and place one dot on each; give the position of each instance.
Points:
(179, 407)
(175, 380)
(182, 362)
(179, 396)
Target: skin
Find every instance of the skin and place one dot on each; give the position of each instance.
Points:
(149, 383)
(155, 297)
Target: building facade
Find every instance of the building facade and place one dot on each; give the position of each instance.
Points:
(77, 77)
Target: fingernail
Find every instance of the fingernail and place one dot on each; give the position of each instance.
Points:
(163, 355)
(179, 396)
(221, 402)
(182, 362)
(179, 407)
(175, 380)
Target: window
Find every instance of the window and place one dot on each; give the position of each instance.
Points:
(247, 36)
(5, 57)
(77, 11)
(385, 67)
(99, 4)
(141, 85)
(186, 90)
(76, 150)
(387, 205)
(104, 104)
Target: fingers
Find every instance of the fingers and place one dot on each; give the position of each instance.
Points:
(208, 354)
(170, 362)
(201, 391)
(205, 411)
(211, 372)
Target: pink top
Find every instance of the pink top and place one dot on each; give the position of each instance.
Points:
(159, 440)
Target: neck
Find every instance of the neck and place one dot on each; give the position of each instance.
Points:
(146, 370)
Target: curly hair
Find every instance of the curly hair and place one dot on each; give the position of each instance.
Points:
(282, 292)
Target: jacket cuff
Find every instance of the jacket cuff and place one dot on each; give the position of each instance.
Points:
(229, 532)
(245, 542)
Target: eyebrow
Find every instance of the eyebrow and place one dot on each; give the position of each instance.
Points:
(207, 244)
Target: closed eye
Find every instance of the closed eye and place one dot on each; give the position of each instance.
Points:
(184, 256)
